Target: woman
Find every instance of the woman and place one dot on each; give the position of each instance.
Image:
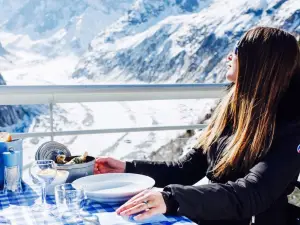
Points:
(250, 150)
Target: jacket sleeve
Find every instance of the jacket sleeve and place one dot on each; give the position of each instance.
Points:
(188, 170)
(246, 197)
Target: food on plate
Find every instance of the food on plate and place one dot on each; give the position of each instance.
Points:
(61, 159)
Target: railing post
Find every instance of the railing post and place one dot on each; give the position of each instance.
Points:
(51, 121)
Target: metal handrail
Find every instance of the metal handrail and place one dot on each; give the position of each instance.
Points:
(27, 95)
(108, 131)
(14, 95)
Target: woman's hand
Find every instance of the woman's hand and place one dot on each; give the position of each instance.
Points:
(147, 203)
(108, 165)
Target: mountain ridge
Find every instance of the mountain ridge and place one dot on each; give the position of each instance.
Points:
(185, 47)
(60, 27)
(125, 41)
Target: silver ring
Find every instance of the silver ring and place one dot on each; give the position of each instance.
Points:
(146, 203)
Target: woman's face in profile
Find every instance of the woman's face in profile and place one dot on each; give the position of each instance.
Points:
(232, 67)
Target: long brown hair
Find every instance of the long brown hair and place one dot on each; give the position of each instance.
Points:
(268, 58)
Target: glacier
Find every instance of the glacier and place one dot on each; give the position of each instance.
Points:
(49, 42)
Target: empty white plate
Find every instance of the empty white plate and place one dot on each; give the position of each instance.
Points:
(114, 187)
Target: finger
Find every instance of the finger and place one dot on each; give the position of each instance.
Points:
(147, 214)
(101, 159)
(104, 163)
(139, 198)
(99, 170)
(131, 204)
(102, 167)
(139, 195)
(135, 209)
(133, 200)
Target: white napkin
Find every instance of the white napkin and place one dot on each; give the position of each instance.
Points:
(112, 218)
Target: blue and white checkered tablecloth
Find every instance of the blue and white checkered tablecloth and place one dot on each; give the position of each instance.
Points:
(16, 209)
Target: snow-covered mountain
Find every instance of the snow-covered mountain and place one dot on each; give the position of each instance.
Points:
(148, 41)
(55, 27)
(159, 42)
(16, 118)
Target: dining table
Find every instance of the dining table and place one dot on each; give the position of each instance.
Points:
(16, 209)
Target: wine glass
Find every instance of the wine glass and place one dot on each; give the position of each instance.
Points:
(43, 173)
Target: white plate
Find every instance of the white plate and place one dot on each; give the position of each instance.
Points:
(114, 187)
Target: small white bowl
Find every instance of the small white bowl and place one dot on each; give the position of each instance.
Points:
(60, 178)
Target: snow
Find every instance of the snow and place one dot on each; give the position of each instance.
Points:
(190, 45)
(49, 42)
(57, 27)
(41, 71)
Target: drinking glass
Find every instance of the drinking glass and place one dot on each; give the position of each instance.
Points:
(43, 173)
(69, 200)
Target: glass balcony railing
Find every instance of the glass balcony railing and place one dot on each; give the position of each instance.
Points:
(51, 95)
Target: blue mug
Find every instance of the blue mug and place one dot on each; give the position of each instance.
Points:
(14, 145)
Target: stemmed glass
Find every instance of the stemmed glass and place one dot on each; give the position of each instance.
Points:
(43, 173)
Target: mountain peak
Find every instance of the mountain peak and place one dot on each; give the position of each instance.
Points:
(53, 27)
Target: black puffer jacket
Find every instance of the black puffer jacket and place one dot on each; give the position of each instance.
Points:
(259, 193)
